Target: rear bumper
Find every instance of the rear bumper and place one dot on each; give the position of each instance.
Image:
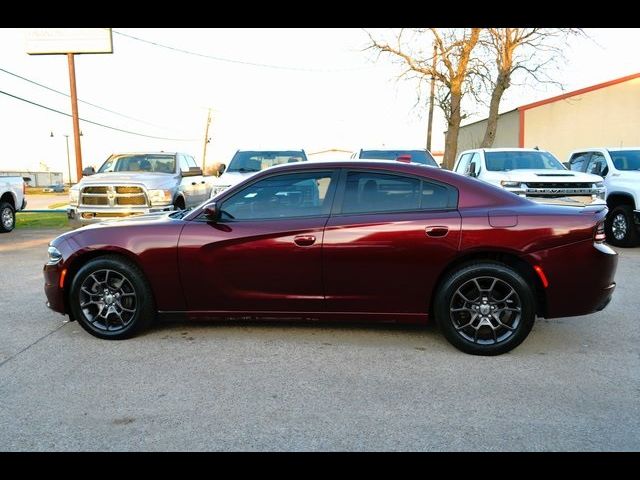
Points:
(581, 277)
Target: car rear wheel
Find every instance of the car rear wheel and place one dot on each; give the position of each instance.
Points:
(485, 308)
(7, 217)
(111, 298)
(620, 227)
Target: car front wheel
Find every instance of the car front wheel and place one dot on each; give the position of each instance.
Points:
(111, 298)
(485, 308)
(620, 227)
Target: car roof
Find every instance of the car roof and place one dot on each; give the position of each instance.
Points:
(151, 153)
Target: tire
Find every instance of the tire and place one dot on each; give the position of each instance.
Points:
(500, 324)
(7, 217)
(620, 227)
(179, 204)
(130, 303)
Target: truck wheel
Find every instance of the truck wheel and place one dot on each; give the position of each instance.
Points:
(7, 217)
(620, 227)
(179, 204)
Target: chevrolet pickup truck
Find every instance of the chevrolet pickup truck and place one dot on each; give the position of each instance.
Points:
(137, 183)
(12, 199)
(620, 169)
(534, 174)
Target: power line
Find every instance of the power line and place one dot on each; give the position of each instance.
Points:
(239, 62)
(99, 124)
(82, 101)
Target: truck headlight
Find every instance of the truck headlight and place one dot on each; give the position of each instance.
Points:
(509, 184)
(160, 197)
(601, 190)
(74, 195)
(218, 189)
(54, 255)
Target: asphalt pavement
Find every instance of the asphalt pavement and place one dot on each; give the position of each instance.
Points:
(573, 385)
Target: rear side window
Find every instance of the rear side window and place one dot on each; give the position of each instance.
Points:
(367, 192)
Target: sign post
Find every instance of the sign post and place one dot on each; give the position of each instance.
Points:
(69, 42)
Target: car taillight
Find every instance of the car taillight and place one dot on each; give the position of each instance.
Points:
(404, 158)
(599, 235)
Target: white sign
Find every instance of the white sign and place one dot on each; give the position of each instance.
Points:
(49, 41)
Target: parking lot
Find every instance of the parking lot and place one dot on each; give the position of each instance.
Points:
(574, 384)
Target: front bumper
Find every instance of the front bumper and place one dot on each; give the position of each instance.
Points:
(52, 288)
(99, 214)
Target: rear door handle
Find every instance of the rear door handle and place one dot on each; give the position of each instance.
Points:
(203, 181)
(438, 231)
(304, 240)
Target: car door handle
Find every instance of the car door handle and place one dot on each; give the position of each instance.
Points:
(193, 183)
(438, 231)
(304, 240)
(203, 182)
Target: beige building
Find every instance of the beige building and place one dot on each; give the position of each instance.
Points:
(603, 115)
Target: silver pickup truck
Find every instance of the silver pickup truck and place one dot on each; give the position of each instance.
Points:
(137, 183)
(12, 199)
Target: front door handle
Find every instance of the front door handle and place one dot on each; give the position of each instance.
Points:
(304, 240)
(193, 183)
(438, 231)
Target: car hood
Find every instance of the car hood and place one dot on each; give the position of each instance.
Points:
(150, 180)
(231, 178)
(545, 175)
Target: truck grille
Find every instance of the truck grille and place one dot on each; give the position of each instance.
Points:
(113, 196)
(558, 185)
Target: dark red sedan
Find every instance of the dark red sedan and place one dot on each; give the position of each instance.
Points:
(354, 241)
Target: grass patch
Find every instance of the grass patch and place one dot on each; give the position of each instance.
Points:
(58, 205)
(41, 220)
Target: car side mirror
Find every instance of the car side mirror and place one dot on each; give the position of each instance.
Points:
(212, 212)
(221, 168)
(471, 171)
(88, 171)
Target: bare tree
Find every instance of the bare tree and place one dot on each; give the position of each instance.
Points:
(530, 50)
(454, 64)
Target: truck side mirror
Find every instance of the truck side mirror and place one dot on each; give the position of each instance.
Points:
(88, 171)
(221, 168)
(472, 170)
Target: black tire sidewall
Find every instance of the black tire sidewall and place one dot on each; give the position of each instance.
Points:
(145, 310)
(3, 206)
(462, 275)
(631, 239)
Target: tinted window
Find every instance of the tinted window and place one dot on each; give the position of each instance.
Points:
(463, 164)
(598, 165)
(281, 196)
(516, 160)
(626, 159)
(416, 156)
(140, 163)
(367, 192)
(578, 160)
(191, 162)
(256, 161)
(184, 166)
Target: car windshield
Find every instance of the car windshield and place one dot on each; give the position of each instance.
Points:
(154, 163)
(256, 161)
(417, 156)
(516, 160)
(626, 159)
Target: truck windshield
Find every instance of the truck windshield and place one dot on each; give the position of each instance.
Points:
(417, 156)
(626, 159)
(256, 161)
(140, 163)
(516, 160)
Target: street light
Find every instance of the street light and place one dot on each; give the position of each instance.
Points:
(68, 158)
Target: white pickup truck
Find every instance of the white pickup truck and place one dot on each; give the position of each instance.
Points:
(620, 169)
(531, 173)
(12, 199)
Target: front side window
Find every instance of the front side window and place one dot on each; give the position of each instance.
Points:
(367, 192)
(281, 196)
(140, 163)
(578, 161)
(463, 164)
(598, 165)
(519, 160)
(184, 165)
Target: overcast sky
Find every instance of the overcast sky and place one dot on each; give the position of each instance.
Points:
(325, 93)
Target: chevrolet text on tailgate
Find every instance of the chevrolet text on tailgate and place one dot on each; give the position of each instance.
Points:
(531, 173)
(137, 183)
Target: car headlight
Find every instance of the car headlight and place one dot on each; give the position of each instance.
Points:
(509, 183)
(54, 255)
(160, 197)
(74, 194)
(218, 189)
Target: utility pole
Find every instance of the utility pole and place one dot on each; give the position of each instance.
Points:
(74, 113)
(206, 139)
(431, 98)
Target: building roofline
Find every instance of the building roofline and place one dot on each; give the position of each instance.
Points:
(597, 86)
